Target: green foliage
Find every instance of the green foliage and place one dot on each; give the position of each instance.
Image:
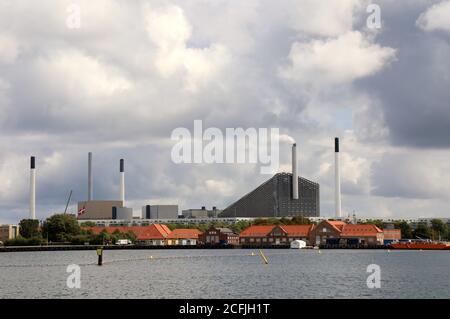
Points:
(29, 228)
(88, 224)
(21, 241)
(60, 227)
(439, 229)
(422, 231)
(405, 229)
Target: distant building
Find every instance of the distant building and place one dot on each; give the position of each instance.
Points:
(160, 212)
(183, 237)
(274, 198)
(201, 213)
(341, 233)
(122, 213)
(391, 235)
(97, 209)
(154, 234)
(274, 235)
(218, 236)
(8, 232)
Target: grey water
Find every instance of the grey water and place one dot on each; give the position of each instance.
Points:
(234, 273)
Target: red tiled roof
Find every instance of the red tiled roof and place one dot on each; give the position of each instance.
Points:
(257, 231)
(154, 231)
(337, 224)
(297, 230)
(360, 230)
(182, 233)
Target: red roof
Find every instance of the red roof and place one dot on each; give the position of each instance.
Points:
(290, 230)
(297, 230)
(182, 233)
(154, 231)
(338, 225)
(257, 231)
(362, 230)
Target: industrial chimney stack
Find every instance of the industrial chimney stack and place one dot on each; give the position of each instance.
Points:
(33, 188)
(122, 181)
(294, 172)
(337, 179)
(90, 179)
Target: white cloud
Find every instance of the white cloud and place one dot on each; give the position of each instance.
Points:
(336, 61)
(170, 31)
(437, 17)
(9, 49)
(324, 18)
(80, 75)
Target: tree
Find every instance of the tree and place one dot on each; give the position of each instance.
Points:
(405, 229)
(422, 231)
(60, 227)
(439, 228)
(300, 220)
(29, 228)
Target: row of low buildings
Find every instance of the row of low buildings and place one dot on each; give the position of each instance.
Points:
(325, 233)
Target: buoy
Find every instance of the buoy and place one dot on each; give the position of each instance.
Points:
(252, 254)
(151, 257)
(320, 251)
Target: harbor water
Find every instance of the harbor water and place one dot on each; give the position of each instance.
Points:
(234, 273)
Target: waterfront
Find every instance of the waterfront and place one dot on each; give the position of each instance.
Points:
(226, 274)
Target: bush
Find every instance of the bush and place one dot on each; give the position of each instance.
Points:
(21, 241)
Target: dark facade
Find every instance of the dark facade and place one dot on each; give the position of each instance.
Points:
(218, 236)
(274, 199)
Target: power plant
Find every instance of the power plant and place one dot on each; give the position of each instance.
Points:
(285, 194)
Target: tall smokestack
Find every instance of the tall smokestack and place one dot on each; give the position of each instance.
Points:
(90, 179)
(122, 181)
(33, 188)
(294, 172)
(337, 179)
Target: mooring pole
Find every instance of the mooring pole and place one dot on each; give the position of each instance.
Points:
(100, 255)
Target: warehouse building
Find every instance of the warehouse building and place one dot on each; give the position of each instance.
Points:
(98, 209)
(160, 212)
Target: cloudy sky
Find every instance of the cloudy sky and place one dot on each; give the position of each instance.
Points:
(136, 70)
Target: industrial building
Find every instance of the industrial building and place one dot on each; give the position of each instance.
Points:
(97, 209)
(201, 213)
(160, 212)
(279, 197)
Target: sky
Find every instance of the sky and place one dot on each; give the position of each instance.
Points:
(131, 72)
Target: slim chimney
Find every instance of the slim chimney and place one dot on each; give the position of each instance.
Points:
(294, 172)
(33, 188)
(122, 181)
(337, 179)
(90, 179)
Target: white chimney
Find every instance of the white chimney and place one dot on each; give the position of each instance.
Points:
(33, 188)
(122, 181)
(294, 172)
(90, 179)
(337, 179)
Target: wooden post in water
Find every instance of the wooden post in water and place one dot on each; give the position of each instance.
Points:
(100, 255)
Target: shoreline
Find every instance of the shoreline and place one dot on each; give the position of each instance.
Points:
(148, 247)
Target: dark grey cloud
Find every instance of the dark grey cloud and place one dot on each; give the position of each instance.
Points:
(413, 92)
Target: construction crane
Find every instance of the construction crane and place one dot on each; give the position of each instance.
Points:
(68, 201)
